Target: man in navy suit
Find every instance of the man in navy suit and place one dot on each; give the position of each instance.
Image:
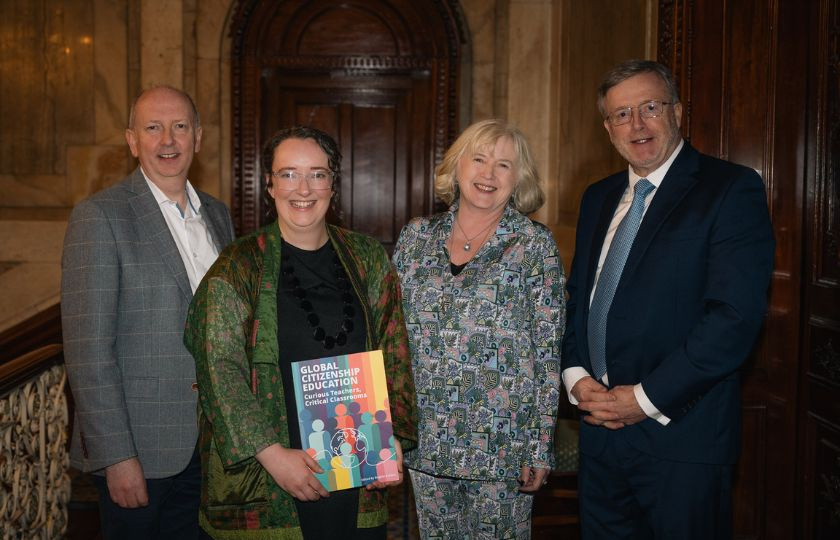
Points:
(667, 293)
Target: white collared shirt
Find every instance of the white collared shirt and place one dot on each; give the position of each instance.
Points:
(573, 374)
(189, 230)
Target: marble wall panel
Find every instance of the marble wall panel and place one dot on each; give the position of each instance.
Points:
(188, 45)
(211, 167)
(95, 167)
(111, 71)
(206, 171)
(33, 190)
(530, 76)
(30, 268)
(211, 18)
(162, 43)
(33, 241)
(482, 23)
(46, 83)
(28, 288)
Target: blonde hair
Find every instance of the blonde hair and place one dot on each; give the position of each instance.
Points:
(528, 195)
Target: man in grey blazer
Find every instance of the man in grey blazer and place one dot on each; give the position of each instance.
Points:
(133, 255)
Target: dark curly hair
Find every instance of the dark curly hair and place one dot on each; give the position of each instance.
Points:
(330, 148)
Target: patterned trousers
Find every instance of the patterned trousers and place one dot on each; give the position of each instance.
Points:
(451, 508)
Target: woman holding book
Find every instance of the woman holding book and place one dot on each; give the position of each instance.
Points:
(297, 289)
(483, 299)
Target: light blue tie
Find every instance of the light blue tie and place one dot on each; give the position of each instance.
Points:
(611, 274)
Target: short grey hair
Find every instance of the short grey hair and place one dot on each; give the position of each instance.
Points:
(631, 68)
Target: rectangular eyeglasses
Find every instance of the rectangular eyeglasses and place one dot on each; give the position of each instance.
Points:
(648, 109)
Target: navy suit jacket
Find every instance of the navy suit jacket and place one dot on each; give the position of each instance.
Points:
(688, 307)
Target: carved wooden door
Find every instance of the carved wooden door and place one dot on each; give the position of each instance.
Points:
(759, 85)
(375, 123)
(819, 450)
(380, 76)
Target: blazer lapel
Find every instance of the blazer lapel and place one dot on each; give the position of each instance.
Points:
(152, 226)
(677, 183)
(213, 218)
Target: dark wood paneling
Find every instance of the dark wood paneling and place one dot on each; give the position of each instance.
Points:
(43, 328)
(16, 372)
(820, 368)
(750, 484)
(386, 72)
(821, 501)
(374, 158)
(742, 76)
(375, 123)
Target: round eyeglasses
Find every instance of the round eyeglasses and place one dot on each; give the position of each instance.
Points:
(648, 109)
(288, 179)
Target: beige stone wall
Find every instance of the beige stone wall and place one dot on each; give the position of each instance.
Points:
(69, 70)
(538, 63)
(68, 73)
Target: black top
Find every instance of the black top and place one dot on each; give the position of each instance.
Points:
(321, 277)
(456, 268)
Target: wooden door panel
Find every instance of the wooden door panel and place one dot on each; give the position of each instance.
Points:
(371, 126)
(820, 411)
(821, 487)
(374, 156)
(324, 116)
(749, 487)
(742, 77)
(385, 83)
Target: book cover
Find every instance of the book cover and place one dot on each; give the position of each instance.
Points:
(345, 418)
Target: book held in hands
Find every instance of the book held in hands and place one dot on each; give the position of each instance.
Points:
(345, 418)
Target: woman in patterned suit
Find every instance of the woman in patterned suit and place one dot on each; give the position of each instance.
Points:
(483, 299)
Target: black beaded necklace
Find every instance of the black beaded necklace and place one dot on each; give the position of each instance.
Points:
(319, 334)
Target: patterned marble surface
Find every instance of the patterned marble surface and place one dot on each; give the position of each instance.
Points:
(30, 268)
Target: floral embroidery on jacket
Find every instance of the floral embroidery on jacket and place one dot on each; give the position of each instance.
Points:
(232, 333)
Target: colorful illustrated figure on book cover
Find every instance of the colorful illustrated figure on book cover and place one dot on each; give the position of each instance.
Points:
(345, 419)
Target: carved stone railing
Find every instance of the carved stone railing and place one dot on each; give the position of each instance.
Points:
(34, 485)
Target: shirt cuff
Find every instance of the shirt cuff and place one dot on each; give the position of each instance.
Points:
(647, 406)
(570, 378)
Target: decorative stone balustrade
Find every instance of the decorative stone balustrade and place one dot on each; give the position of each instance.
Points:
(34, 485)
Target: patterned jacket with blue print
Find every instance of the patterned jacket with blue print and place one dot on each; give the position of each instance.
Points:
(485, 347)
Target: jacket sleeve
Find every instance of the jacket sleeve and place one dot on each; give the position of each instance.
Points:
(545, 288)
(576, 291)
(217, 334)
(90, 290)
(406, 239)
(739, 265)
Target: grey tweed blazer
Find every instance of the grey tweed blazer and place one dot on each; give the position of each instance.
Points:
(124, 300)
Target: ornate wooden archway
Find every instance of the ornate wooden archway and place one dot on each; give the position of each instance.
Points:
(381, 76)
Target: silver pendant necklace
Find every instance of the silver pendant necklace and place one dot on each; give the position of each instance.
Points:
(468, 243)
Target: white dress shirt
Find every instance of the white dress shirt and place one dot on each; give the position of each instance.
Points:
(573, 374)
(190, 232)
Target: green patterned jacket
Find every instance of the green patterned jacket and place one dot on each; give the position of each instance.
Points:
(231, 332)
